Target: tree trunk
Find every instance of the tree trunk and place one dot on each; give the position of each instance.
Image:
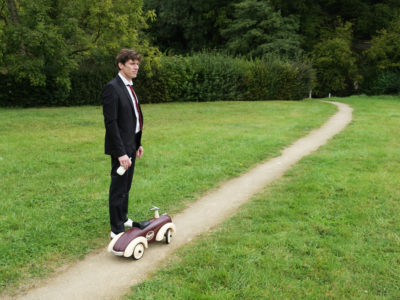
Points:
(12, 8)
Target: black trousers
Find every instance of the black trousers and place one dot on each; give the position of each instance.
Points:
(119, 194)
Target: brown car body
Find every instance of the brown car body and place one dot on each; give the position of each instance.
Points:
(158, 228)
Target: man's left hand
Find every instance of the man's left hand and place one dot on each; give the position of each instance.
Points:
(139, 152)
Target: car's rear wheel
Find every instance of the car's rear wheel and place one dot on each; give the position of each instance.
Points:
(138, 251)
(168, 236)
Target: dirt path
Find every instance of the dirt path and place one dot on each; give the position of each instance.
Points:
(105, 276)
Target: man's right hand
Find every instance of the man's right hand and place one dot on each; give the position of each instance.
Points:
(125, 161)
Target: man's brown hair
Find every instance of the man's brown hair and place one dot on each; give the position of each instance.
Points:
(126, 54)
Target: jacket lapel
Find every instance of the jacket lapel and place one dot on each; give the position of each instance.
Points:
(125, 90)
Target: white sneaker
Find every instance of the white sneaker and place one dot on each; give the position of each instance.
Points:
(112, 235)
(128, 223)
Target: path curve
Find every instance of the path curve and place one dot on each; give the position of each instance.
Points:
(105, 276)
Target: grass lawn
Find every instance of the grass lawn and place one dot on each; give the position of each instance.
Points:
(54, 177)
(329, 229)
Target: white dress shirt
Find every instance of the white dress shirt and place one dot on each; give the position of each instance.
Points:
(126, 83)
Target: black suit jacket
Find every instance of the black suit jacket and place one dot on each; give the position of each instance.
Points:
(119, 120)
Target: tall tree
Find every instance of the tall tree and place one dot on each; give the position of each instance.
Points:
(257, 29)
(335, 62)
(12, 8)
(385, 47)
(367, 16)
(182, 26)
(45, 40)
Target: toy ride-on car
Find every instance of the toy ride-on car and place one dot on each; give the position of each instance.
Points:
(135, 240)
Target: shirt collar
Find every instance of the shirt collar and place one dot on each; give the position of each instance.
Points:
(126, 82)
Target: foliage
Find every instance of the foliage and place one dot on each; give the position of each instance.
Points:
(44, 41)
(182, 26)
(216, 76)
(19, 93)
(382, 62)
(200, 77)
(382, 82)
(50, 47)
(335, 62)
(367, 16)
(87, 82)
(384, 52)
(256, 29)
(275, 78)
(252, 28)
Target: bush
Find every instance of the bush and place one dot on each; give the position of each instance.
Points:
(200, 77)
(384, 52)
(20, 93)
(274, 78)
(335, 63)
(382, 60)
(88, 82)
(211, 77)
(384, 82)
(167, 83)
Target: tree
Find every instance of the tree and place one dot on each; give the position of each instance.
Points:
(367, 16)
(43, 41)
(182, 26)
(335, 62)
(384, 52)
(256, 29)
(382, 67)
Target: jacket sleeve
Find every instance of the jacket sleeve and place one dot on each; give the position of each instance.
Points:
(110, 111)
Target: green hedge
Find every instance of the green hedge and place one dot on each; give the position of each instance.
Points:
(200, 77)
(211, 77)
(20, 93)
(273, 78)
(383, 82)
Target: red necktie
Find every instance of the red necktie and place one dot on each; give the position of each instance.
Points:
(137, 107)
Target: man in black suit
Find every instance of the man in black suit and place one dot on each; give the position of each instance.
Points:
(123, 121)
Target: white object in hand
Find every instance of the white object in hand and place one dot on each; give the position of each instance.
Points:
(121, 170)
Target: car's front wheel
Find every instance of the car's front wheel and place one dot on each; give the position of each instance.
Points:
(168, 236)
(138, 251)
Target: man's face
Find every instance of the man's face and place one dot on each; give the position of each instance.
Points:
(129, 69)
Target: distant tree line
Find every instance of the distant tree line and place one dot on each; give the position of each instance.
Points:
(183, 25)
(61, 52)
(354, 44)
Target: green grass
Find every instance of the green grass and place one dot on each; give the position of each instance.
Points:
(54, 177)
(329, 229)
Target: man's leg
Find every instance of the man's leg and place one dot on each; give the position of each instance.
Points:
(129, 173)
(119, 195)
